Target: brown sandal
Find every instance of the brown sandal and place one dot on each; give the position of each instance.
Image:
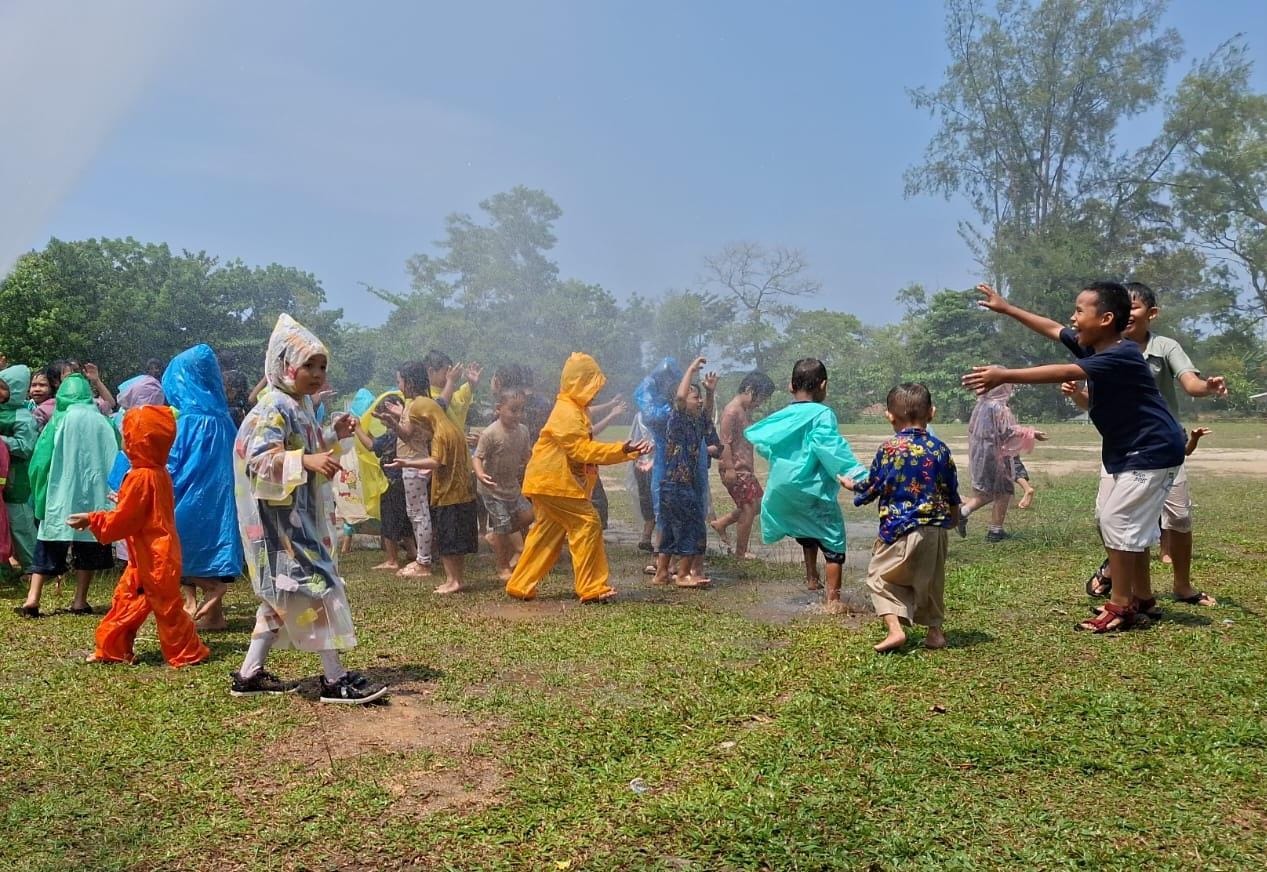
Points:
(1111, 619)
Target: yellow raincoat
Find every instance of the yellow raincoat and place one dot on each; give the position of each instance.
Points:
(559, 480)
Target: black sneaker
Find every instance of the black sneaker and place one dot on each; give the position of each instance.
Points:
(352, 689)
(262, 682)
(997, 535)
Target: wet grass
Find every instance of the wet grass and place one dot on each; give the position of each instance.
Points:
(780, 744)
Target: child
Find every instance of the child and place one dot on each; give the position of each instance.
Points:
(145, 516)
(442, 377)
(736, 465)
(501, 456)
(19, 432)
(994, 438)
(802, 441)
(395, 529)
(610, 411)
(283, 465)
(416, 480)
(452, 500)
(913, 476)
(559, 479)
(201, 465)
(1143, 444)
(683, 531)
(69, 468)
(640, 482)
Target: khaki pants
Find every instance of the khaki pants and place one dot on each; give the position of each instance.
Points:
(908, 578)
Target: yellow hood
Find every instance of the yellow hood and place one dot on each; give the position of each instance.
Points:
(581, 379)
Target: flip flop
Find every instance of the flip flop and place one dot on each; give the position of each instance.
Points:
(1196, 599)
(1097, 578)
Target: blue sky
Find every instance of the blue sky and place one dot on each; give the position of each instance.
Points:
(336, 137)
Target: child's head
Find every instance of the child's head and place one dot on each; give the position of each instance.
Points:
(412, 379)
(296, 360)
(154, 368)
(809, 379)
(694, 402)
(909, 405)
(510, 406)
(438, 365)
(756, 388)
(44, 384)
(310, 376)
(1143, 311)
(1100, 312)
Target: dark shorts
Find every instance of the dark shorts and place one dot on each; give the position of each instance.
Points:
(745, 490)
(456, 529)
(1019, 470)
(394, 517)
(51, 557)
(682, 524)
(645, 506)
(828, 556)
(188, 581)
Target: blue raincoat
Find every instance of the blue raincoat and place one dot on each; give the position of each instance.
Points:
(802, 441)
(654, 399)
(201, 464)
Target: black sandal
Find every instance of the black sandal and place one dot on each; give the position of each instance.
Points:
(1196, 599)
(28, 611)
(86, 610)
(1100, 584)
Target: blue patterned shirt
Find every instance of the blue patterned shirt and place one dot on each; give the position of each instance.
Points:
(913, 476)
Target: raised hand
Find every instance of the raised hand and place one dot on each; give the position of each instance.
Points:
(473, 373)
(710, 382)
(697, 364)
(345, 425)
(991, 299)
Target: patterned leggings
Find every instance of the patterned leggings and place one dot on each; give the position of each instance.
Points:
(417, 507)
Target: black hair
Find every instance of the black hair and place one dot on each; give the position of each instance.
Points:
(809, 374)
(1112, 297)
(910, 401)
(758, 383)
(235, 381)
(63, 366)
(437, 360)
(153, 363)
(509, 376)
(53, 373)
(1143, 293)
(414, 375)
(505, 395)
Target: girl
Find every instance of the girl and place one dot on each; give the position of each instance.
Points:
(283, 467)
(993, 439)
(415, 479)
(19, 432)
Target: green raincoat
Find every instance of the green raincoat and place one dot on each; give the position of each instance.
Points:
(20, 432)
(802, 441)
(71, 462)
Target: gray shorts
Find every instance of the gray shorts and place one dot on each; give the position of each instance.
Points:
(501, 513)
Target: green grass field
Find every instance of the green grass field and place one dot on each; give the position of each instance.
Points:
(756, 733)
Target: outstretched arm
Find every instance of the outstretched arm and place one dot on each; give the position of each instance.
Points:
(1040, 324)
(1196, 386)
(985, 378)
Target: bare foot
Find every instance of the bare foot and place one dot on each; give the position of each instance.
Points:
(659, 580)
(1026, 501)
(896, 639)
(834, 607)
(748, 555)
(415, 570)
(935, 639)
(1165, 558)
(691, 581)
(723, 534)
(488, 538)
(388, 564)
(505, 574)
(203, 627)
(813, 584)
(448, 587)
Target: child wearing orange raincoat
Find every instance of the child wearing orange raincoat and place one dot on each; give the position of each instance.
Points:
(559, 481)
(146, 517)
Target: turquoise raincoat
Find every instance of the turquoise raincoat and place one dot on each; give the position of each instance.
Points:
(806, 452)
(72, 461)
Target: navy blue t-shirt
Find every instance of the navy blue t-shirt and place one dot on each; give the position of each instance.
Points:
(1138, 430)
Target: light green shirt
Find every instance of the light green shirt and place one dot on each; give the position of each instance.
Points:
(1167, 359)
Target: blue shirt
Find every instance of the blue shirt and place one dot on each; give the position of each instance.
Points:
(684, 436)
(914, 477)
(1138, 429)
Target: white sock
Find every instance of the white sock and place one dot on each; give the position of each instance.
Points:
(256, 654)
(964, 512)
(332, 666)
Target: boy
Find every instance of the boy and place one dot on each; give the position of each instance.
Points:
(1169, 364)
(146, 516)
(683, 533)
(802, 441)
(1143, 443)
(736, 464)
(559, 480)
(501, 455)
(914, 478)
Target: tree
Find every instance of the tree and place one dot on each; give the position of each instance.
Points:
(687, 324)
(946, 338)
(1220, 189)
(762, 283)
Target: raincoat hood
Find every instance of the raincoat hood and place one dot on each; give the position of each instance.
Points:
(193, 384)
(362, 402)
(290, 346)
(581, 379)
(74, 391)
(148, 434)
(141, 390)
(18, 378)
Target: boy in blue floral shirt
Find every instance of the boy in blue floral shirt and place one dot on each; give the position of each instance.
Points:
(914, 478)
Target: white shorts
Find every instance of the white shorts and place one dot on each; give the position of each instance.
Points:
(1128, 505)
(1176, 513)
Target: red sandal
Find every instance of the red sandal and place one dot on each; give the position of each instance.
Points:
(1111, 619)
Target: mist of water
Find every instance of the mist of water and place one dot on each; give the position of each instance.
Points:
(69, 72)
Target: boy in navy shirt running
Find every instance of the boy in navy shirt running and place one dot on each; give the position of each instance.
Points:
(1143, 443)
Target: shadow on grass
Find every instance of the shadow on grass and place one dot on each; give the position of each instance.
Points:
(967, 638)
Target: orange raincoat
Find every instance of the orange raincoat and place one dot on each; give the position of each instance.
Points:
(559, 480)
(146, 517)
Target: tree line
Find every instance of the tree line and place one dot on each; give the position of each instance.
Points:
(1027, 119)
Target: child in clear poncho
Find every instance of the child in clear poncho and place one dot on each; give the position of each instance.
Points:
(283, 464)
(994, 438)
